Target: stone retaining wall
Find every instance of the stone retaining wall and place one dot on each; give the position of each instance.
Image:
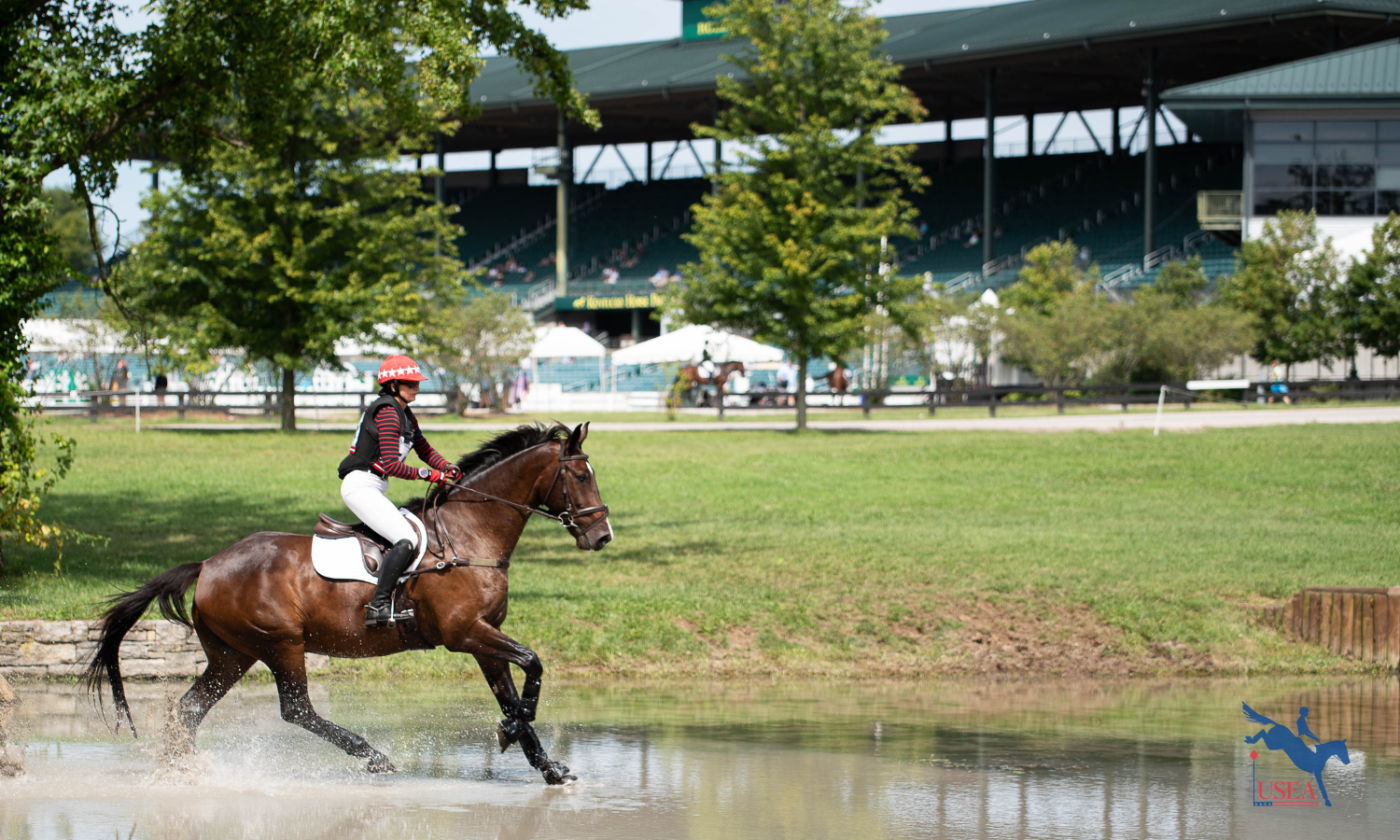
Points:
(61, 648)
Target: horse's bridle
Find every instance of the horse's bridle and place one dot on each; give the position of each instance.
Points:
(567, 517)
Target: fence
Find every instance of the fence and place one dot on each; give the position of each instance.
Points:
(265, 402)
(1358, 622)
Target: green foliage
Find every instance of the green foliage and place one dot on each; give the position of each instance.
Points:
(68, 221)
(1049, 275)
(24, 484)
(1288, 279)
(1067, 343)
(1371, 295)
(475, 338)
(791, 242)
(281, 259)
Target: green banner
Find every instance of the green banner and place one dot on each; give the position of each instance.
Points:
(571, 303)
(694, 25)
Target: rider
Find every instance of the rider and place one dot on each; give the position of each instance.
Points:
(386, 432)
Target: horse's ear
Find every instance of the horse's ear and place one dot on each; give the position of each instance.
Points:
(576, 438)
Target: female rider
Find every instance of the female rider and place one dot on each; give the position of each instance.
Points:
(386, 432)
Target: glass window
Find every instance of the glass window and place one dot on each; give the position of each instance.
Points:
(1283, 153)
(1269, 202)
(1387, 202)
(1389, 130)
(1275, 176)
(1283, 132)
(1348, 175)
(1388, 178)
(1346, 152)
(1388, 152)
(1353, 130)
(1339, 203)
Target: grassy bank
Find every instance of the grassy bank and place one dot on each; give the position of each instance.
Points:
(824, 553)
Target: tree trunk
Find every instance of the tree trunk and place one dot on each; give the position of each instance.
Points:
(801, 388)
(289, 400)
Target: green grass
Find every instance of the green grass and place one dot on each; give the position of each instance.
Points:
(850, 553)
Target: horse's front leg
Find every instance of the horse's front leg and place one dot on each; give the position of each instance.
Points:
(1254, 739)
(1317, 774)
(495, 652)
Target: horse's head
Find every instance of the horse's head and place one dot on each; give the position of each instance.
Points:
(1341, 753)
(575, 497)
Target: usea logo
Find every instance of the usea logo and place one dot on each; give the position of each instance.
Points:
(1291, 792)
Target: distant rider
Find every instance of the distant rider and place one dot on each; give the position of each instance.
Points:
(386, 432)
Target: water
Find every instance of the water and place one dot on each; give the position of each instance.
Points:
(948, 759)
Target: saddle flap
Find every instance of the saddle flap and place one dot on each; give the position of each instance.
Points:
(331, 529)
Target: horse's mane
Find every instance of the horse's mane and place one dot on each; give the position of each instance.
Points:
(496, 450)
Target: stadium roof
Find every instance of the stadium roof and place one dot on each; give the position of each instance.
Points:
(1050, 55)
(1365, 77)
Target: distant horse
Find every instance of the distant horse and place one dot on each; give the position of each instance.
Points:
(260, 599)
(838, 379)
(694, 377)
(1280, 737)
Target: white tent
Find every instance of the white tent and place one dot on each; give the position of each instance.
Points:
(561, 342)
(687, 344)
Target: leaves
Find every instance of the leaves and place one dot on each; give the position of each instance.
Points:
(476, 338)
(1370, 299)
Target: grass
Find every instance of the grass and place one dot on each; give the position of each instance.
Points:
(823, 553)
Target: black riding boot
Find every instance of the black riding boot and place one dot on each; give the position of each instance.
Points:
(380, 611)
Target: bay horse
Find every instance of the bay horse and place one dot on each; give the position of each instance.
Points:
(260, 599)
(694, 378)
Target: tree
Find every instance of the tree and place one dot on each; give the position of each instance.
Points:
(281, 258)
(792, 240)
(1288, 279)
(1065, 345)
(1176, 330)
(1370, 298)
(1048, 276)
(479, 338)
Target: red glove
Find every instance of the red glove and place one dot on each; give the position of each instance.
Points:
(433, 476)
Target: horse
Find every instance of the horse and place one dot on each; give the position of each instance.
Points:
(838, 379)
(1279, 737)
(695, 378)
(260, 599)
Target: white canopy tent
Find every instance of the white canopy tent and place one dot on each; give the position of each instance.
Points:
(687, 345)
(565, 342)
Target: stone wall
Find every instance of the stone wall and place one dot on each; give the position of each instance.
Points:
(61, 649)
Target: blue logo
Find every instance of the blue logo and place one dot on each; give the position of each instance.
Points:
(1276, 736)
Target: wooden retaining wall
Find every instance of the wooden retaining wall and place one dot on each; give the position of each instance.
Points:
(1358, 622)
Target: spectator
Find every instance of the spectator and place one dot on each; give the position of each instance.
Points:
(120, 380)
(1278, 375)
(549, 260)
(973, 239)
(660, 278)
(610, 275)
(162, 385)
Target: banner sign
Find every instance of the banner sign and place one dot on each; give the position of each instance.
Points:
(570, 303)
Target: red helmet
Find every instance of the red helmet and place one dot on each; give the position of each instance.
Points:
(400, 369)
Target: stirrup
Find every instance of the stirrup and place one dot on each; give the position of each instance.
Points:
(385, 616)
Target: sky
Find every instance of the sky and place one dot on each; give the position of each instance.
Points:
(625, 21)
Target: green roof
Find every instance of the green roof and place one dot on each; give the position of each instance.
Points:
(936, 38)
(1358, 76)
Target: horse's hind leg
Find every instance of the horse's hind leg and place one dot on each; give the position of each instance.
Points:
(288, 666)
(226, 667)
(1320, 786)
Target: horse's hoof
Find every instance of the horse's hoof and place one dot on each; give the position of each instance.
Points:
(381, 764)
(558, 774)
(507, 733)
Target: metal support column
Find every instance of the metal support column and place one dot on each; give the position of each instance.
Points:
(493, 179)
(439, 181)
(648, 178)
(1117, 134)
(948, 143)
(637, 324)
(1030, 135)
(989, 172)
(718, 166)
(1149, 186)
(561, 209)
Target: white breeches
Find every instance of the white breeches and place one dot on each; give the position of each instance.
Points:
(364, 493)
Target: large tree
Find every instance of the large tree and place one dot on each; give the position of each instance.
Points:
(476, 338)
(1370, 297)
(1288, 278)
(791, 240)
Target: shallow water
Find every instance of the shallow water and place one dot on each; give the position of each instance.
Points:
(1015, 759)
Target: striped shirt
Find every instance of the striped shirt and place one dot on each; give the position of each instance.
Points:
(393, 446)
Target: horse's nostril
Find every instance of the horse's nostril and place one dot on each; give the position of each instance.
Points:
(604, 540)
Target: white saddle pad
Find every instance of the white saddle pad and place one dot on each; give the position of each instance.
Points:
(342, 559)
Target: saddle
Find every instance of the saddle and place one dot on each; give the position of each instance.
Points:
(372, 546)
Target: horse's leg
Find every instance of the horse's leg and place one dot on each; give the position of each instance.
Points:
(495, 652)
(1254, 739)
(1317, 774)
(226, 667)
(288, 664)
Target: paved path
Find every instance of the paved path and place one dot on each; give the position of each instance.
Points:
(1176, 421)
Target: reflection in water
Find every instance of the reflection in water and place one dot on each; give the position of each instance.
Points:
(945, 759)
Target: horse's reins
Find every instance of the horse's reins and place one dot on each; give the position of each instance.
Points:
(567, 517)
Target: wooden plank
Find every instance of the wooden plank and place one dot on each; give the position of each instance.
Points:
(1325, 620)
(1348, 612)
(1287, 627)
(1338, 602)
(1368, 627)
(1305, 626)
(1382, 635)
(1394, 646)
(1314, 619)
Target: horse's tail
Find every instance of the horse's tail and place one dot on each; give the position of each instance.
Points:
(1255, 716)
(124, 610)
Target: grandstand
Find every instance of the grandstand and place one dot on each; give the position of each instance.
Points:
(1131, 203)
